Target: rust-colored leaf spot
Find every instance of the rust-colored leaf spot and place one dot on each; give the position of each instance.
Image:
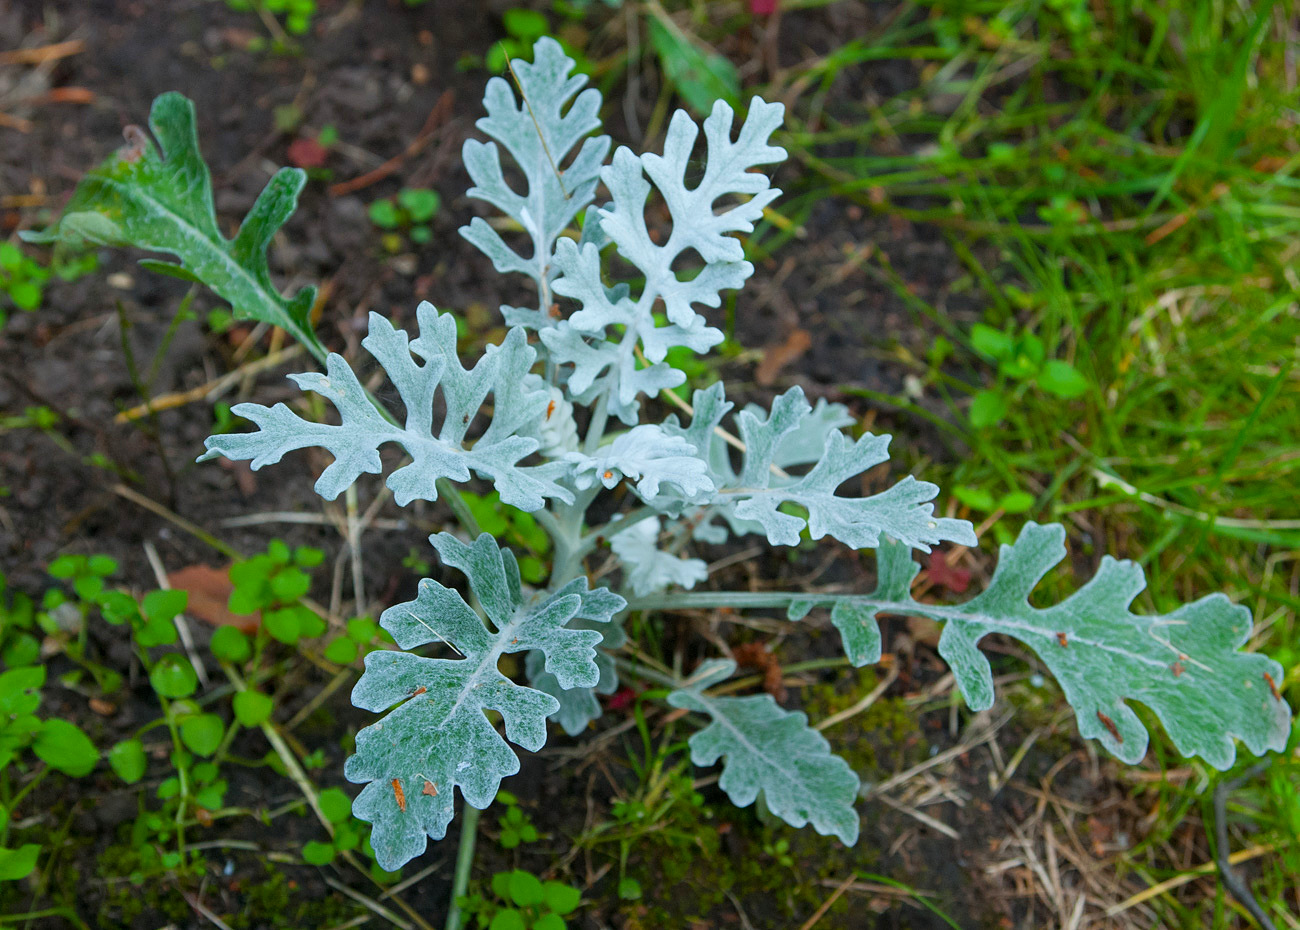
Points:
(430, 789)
(1272, 686)
(1178, 669)
(550, 409)
(554, 311)
(1063, 640)
(137, 143)
(399, 794)
(608, 475)
(418, 691)
(1110, 725)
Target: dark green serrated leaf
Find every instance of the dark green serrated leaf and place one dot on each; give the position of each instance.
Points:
(162, 201)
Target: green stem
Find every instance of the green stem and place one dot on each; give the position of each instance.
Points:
(464, 862)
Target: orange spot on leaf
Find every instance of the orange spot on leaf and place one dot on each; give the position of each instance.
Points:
(1063, 640)
(399, 794)
(1272, 686)
(1110, 725)
(430, 789)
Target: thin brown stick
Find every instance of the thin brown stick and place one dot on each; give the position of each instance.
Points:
(440, 113)
(42, 53)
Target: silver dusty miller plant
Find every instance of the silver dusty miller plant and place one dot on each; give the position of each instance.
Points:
(564, 425)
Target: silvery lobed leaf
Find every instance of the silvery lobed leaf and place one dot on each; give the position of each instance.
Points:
(162, 202)
(519, 406)
(1185, 665)
(605, 362)
(647, 455)
(646, 567)
(578, 705)
(773, 751)
(540, 135)
(751, 499)
(437, 737)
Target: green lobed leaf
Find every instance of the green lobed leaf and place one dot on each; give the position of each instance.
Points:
(1185, 665)
(773, 751)
(162, 201)
(438, 737)
(519, 405)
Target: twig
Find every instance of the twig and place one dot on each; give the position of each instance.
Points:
(42, 53)
(926, 819)
(863, 704)
(170, 516)
(1235, 884)
(203, 911)
(369, 903)
(437, 116)
(828, 903)
(210, 391)
(182, 624)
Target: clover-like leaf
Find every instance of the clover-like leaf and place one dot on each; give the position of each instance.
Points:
(646, 567)
(606, 363)
(438, 738)
(539, 134)
(773, 751)
(163, 202)
(751, 499)
(1184, 665)
(519, 406)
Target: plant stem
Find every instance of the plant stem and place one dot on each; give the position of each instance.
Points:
(464, 861)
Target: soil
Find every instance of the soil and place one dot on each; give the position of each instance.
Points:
(377, 70)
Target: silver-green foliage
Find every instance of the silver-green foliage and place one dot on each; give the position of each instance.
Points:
(1185, 665)
(608, 352)
(770, 751)
(437, 738)
(519, 403)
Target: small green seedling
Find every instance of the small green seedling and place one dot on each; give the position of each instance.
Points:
(22, 278)
(297, 14)
(522, 901)
(516, 826)
(408, 212)
(274, 584)
(1022, 364)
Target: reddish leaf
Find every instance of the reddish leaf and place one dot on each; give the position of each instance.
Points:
(941, 573)
(762, 7)
(307, 153)
(781, 354)
(621, 699)
(209, 590)
(756, 656)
